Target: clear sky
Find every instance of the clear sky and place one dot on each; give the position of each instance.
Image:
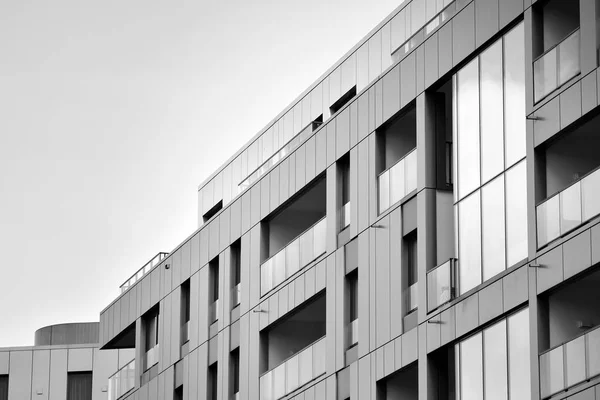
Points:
(113, 112)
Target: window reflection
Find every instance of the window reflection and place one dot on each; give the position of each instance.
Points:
(468, 129)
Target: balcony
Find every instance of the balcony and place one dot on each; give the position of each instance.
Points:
(570, 363)
(151, 357)
(411, 298)
(556, 66)
(295, 372)
(143, 271)
(295, 256)
(441, 284)
(345, 216)
(122, 381)
(569, 208)
(352, 333)
(397, 181)
(236, 295)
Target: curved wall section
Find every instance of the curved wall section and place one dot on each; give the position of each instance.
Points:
(66, 334)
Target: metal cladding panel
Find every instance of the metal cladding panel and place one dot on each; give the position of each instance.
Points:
(395, 295)
(58, 374)
(431, 60)
(19, 376)
(4, 362)
(515, 288)
(169, 383)
(246, 210)
(354, 381)
(254, 265)
(391, 93)
(577, 254)
(331, 132)
(265, 194)
(154, 287)
(41, 374)
(284, 183)
(300, 167)
(310, 153)
(175, 340)
(378, 103)
(275, 187)
(382, 281)
(589, 93)
(292, 175)
(570, 105)
(225, 288)
(255, 204)
(235, 226)
(408, 79)
(186, 260)
(245, 273)
(448, 326)
(124, 318)
(595, 238)
(254, 343)
(80, 360)
(445, 56)
(194, 306)
(176, 269)
(363, 294)
(153, 389)
(244, 355)
(116, 315)
(332, 204)
(342, 122)
(509, 10)
(364, 378)
(467, 315)
(363, 184)
(192, 377)
(487, 16)
(372, 292)
(213, 238)
(339, 321)
(330, 314)
(463, 35)
(105, 364)
(552, 272)
(490, 302)
(353, 124)
(203, 323)
(133, 302)
(420, 81)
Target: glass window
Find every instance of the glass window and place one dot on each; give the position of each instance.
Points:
(468, 129)
(514, 95)
(495, 362)
(516, 213)
(590, 192)
(575, 361)
(493, 240)
(471, 368)
(492, 135)
(518, 355)
(469, 241)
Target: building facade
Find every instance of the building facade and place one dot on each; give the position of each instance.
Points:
(421, 223)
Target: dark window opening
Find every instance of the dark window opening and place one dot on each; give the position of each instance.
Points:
(342, 101)
(212, 382)
(395, 139)
(185, 311)
(352, 282)
(3, 387)
(214, 279)
(236, 262)
(213, 211)
(411, 257)
(235, 371)
(317, 122)
(178, 394)
(150, 332)
(79, 385)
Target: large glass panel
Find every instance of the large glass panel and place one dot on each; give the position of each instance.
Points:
(516, 214)
(518, 355)
(469, 242)
(439, 286)
(319, 351)
(514, 95)
(292, 257)
(575, 362)
(266, 279)
(384, 191)
(492, 126)
(590, 193)
(319, 238)
(305, 363)
(545, 75)
(471, 369)
(279, 382)
(410, 169)
(468, 129)
(493, 246)
(292, 374)
(570, 208)
(548, 221)
(278, 268)
(397, 182)
(306, 248)
(568, 58)
(495, 362)
(593, 353)
(552, 378)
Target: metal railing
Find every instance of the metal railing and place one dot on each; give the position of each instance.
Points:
(295, 256)
(236, 295)
(143, 271)
(442, 284)
(352, 333)
(151, 357)
(121, 382)
(345, 217)
(397, 181)
(295, 372)
(569, 208)
(411, 297)
(556, 66)
(571, 363)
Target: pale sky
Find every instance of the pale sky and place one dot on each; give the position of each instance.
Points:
(113, 112)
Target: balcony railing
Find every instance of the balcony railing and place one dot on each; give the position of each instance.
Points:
(398, 181)
(143, 271)
(569, 208)
(352, 333)
(213, 311)
(571, 363)
(295, 372)
(345, 216)
(295, 256)
(122, 381)
(556, 66)
(236, 295)
(441, 284)
(411, 297)
(151, 357)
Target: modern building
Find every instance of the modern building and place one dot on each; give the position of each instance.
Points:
(421, 223)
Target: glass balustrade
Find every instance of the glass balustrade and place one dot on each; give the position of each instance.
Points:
(556, 66)
(441, 284)
(411, 297)
(295, 256)
(236, 295)
(295, 372)
(143, 271)
(571, 363)
(568, 209)
(352, 333)
(345, 216)
(151, 357)
(122, 381)
(398, 181)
